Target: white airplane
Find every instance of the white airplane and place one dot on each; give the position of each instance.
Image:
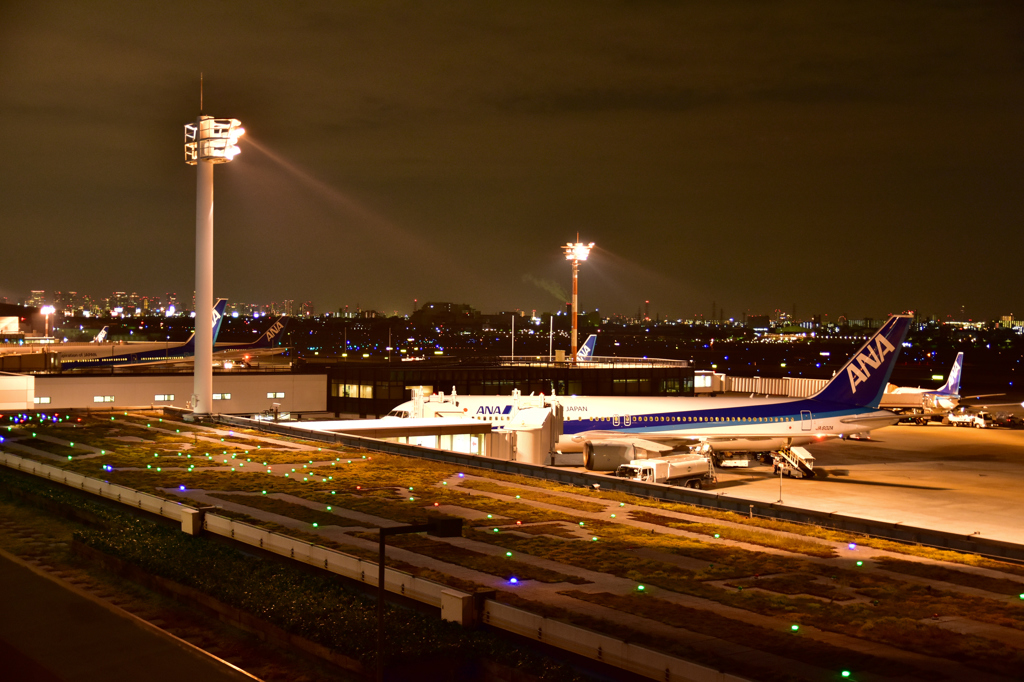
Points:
(846, 406)
(101, 337)
(586, 351)
(921, 403)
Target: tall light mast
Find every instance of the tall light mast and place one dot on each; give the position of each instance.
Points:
(207, 141)
(576, 253)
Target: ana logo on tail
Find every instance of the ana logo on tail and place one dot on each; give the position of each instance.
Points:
(274, 329)
(859, 370)
(953, 383)
(587, 349)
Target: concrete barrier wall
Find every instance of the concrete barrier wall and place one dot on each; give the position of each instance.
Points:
(424, 591)
(596, 646)
(118, 493)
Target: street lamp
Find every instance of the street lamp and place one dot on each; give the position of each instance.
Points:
(440, 528)
(47, 310)
(207, 141)
(576, 252)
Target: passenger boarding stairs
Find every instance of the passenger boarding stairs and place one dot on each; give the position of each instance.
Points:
(798, 460)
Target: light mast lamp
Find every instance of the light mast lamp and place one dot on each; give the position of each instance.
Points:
(207, 141)
(576, 253)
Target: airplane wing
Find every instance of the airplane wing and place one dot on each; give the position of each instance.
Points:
(652, 441)
(874, 421)
(247, 354)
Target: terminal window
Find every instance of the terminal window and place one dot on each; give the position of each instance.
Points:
(219, 396)
(163, 397)
(41, 400)
(279, 394)
(103, 398)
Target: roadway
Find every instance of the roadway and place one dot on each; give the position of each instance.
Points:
(51, 633)
(955, 479)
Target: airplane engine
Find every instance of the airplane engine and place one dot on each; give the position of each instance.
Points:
(607, 455)
(565, 443)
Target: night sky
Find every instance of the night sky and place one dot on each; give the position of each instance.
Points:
(851, 158)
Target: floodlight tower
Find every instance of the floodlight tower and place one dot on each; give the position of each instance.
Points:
(576, 252)
(207, 141)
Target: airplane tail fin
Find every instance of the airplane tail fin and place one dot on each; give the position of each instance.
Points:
(102, 335)
(952, 384)
(862, 379)
(218, 317)
(269, 336)
(587, 349)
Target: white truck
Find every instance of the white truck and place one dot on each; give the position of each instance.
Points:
(690, 471)
(979, 420)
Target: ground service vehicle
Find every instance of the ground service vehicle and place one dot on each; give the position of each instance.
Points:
(979, 420)
(690, 471)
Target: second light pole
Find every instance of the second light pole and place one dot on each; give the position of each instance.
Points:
(575, 253)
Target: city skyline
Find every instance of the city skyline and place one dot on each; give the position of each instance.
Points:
(857, 160)
(73, 302)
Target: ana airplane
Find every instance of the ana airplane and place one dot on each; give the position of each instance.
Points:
(847, 405)
(921, 403)
(586, 351)
(102, 335)
(136, 353)
(261, 347)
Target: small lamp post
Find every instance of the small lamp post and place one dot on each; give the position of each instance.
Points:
(440, 528)
(575, 253)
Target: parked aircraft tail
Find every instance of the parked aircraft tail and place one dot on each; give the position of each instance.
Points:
(272, 334)
(218, 317)
(952, 384)
(862, 380)
(102, 335)
(587, 349)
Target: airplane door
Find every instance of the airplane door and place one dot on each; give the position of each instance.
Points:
(615, 420)
(625, 420)
(806, 420)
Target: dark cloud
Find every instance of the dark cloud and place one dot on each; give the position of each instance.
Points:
(848, 157)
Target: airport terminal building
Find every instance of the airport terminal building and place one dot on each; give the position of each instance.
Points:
(344, 387)
(373, 389)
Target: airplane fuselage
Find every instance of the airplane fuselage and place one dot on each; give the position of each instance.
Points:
(793, 421)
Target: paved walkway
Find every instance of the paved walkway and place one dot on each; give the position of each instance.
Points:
(50, 633)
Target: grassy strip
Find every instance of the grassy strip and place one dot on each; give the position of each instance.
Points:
(807, 530)
(796, 584)
(556, 529)
(732, 517)
(949, 575)
(753, 537)
(536, 495)
(781, 642)
(47, 446)
(290, 509)
(502, 567)
(889, 598)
